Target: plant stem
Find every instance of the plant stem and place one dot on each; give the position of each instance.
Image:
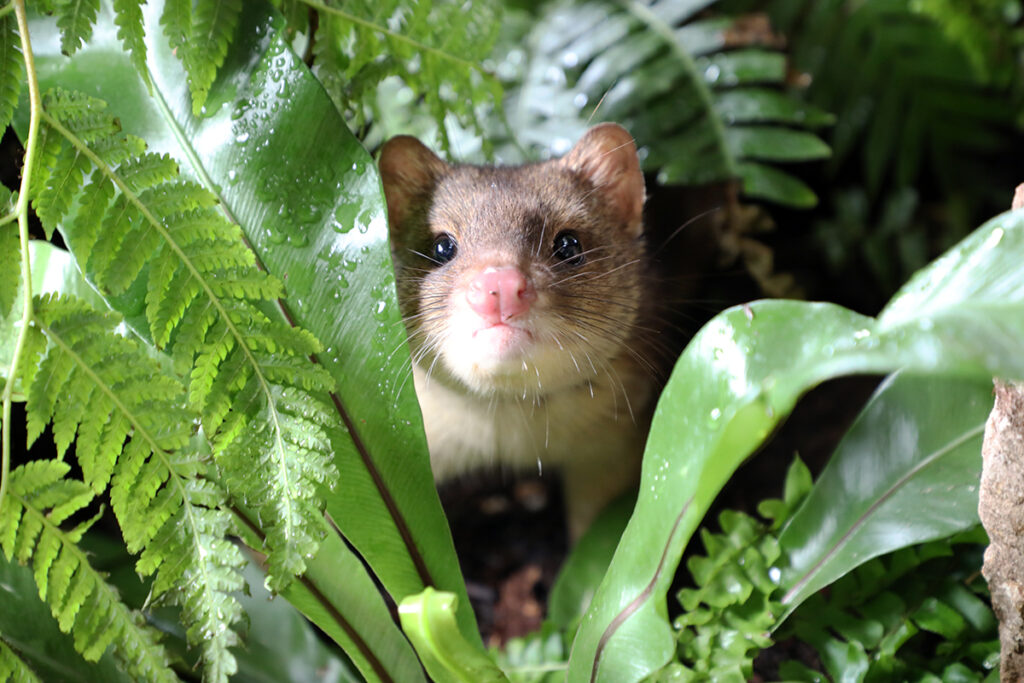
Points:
(35, 108)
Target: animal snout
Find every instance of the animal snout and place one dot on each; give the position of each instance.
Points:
(499, 294)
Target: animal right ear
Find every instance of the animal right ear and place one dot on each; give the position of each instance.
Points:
(409, 171)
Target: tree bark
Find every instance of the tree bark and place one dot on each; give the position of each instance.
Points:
(1001, 508)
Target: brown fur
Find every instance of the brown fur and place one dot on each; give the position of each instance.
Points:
(582, 397)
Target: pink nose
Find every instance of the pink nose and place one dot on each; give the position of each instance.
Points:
(498, 294)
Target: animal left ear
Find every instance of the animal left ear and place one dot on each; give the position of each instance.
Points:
(606, 157)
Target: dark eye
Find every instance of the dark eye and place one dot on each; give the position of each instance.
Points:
(568, 248)
(444, 248)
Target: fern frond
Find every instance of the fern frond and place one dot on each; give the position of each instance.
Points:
(130, 29)
(133, 430)
(39, 500)
(12, 68)
(435, 48)
(694, 90)
(297, 419)
(211, 32)
(177, 22)
(13, 668)
(10, 267)
(138, 218)
(75, 19)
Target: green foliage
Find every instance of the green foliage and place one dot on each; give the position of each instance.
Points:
(733, 606)
(435, 48)
(13, 669)
(203, 35)
(40, 499)
(204, 416)
(92, 382)
(882, 619)
(137, 218)
(12, 67)
(703, 100)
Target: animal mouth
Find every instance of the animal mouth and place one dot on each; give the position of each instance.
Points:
(502, 341)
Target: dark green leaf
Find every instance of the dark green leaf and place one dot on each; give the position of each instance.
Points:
(900, 476)
(742, 373)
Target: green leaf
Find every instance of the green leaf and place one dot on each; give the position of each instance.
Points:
(766, 182)
(39, 500)
(282, 163)
(775, 144)
(76, 19)
(212, 31)
(32, 633)
(12, 67)
(338, 595)
(901, 475)
(672, 80)
(587, 562)
(128, 17)
(428, 619)
(742, 373)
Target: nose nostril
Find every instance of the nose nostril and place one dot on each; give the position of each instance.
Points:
(499, 294)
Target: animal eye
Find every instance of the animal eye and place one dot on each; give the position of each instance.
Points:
(568, 248)
(444, 248)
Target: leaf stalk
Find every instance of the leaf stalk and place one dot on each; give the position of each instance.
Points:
(35, 110)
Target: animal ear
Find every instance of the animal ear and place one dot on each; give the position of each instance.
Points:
(606, 157)
(409, 171)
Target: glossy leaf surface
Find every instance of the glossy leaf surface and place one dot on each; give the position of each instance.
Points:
(428, 619)
(906, 472)
(741, 375)
(308, 198)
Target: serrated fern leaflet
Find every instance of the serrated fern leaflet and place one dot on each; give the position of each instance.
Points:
(92, 382)
(39, 500)
(257, 394)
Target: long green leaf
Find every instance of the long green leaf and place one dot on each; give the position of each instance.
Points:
(901, 475)
(742, 374)
(307, 196)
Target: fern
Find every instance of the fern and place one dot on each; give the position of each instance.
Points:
(213, 27)
(436, 49)
(13, 669)
(877, 620)
(40, 499)
(12, 67)
(130, 30)
(75, 19)
(691, 89)
(137, 218)
(103, 387)
(914, 105)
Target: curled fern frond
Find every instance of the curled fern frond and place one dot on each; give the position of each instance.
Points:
(107, 390)
(40, 499)
(13, 668)
(136, 218)
(436, 49)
